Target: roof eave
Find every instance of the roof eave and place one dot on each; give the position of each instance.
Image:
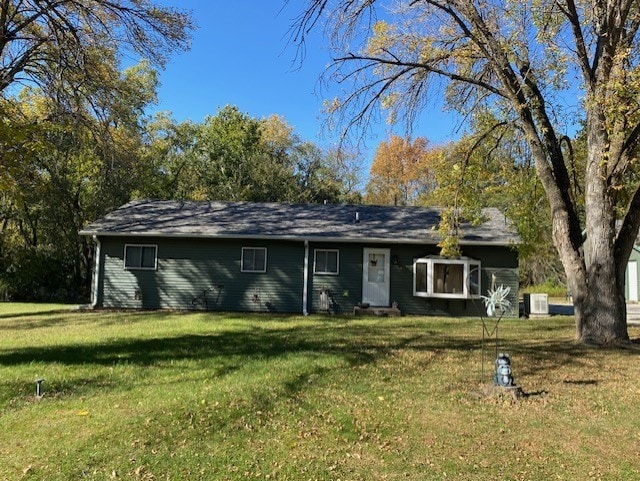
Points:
(294, 238)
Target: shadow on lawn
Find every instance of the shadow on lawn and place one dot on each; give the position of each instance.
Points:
(357, 343)
(222, 353)
(56, 318)
(25, 322)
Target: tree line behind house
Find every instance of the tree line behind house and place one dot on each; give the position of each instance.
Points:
(63, 171)
(76, 142)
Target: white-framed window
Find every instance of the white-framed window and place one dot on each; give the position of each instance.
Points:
(326, 261)
(140, 256)
(254, 259)
(446, 278)
(420, 276)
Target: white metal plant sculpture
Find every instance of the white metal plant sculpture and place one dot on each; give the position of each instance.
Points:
(497, 299)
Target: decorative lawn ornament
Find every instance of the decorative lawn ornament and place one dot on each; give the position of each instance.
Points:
(503, 376)
(496, 303)
(497, 300)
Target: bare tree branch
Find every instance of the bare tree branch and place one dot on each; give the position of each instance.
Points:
(31, 31)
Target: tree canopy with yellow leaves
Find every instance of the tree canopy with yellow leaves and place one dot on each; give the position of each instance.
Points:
(400, 173)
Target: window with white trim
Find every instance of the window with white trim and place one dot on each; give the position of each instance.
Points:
(254, 259)
(446, 278)
(326, 261)
(139, 256)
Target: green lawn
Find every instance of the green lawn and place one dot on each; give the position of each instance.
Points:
(222, 396)
(25, 308)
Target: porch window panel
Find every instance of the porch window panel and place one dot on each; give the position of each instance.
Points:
(420, 279)
(448, 278)
(474, 280)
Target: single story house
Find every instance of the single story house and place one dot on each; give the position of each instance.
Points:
(298, 258)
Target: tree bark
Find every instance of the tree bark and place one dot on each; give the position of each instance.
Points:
(595, 272)
(601, 314)
(599, 300)
(597, 285)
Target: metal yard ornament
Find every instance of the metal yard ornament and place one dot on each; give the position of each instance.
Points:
(503, 376)
(497, 299)
(496, 303)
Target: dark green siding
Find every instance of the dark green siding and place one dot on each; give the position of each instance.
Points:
(345, 290)
(191, 270)
(500, 261)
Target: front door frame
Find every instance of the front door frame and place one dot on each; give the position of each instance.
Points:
(376, 292)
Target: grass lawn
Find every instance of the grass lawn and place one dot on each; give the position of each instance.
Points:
(227, 396)
(10, 309)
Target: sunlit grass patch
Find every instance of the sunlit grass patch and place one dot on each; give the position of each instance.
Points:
(8, 309)
(157, 395)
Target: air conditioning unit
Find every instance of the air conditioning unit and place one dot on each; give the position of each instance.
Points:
(536, 305)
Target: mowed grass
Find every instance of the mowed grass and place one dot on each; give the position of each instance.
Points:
(135, 395)
(27, 308)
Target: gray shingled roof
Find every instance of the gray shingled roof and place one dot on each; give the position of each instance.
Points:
(313, 222)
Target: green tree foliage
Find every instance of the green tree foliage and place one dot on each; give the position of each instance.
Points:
(332, 176)
(70, 128)
(233, 156)
(168, 152)
(75, 141)
(226, 148)
(525, 62)
(491, 168)
(400, 173)
(61, 170)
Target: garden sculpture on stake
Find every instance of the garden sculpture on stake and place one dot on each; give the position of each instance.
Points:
(495, 302)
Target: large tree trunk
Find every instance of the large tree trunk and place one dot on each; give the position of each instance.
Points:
(596, 276)
(600, 306)
(597, 286)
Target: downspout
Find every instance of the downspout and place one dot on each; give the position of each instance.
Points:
(305, 279)
(96, 274)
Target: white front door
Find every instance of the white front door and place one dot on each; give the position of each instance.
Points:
(375, 277)
(632, 270)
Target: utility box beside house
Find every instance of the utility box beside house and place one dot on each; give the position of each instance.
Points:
(536, 305)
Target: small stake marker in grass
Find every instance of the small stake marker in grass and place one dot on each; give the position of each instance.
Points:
(39, 392)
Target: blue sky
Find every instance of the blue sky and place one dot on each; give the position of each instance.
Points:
(241, 55)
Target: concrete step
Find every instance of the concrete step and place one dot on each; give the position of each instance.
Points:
(376, 311)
